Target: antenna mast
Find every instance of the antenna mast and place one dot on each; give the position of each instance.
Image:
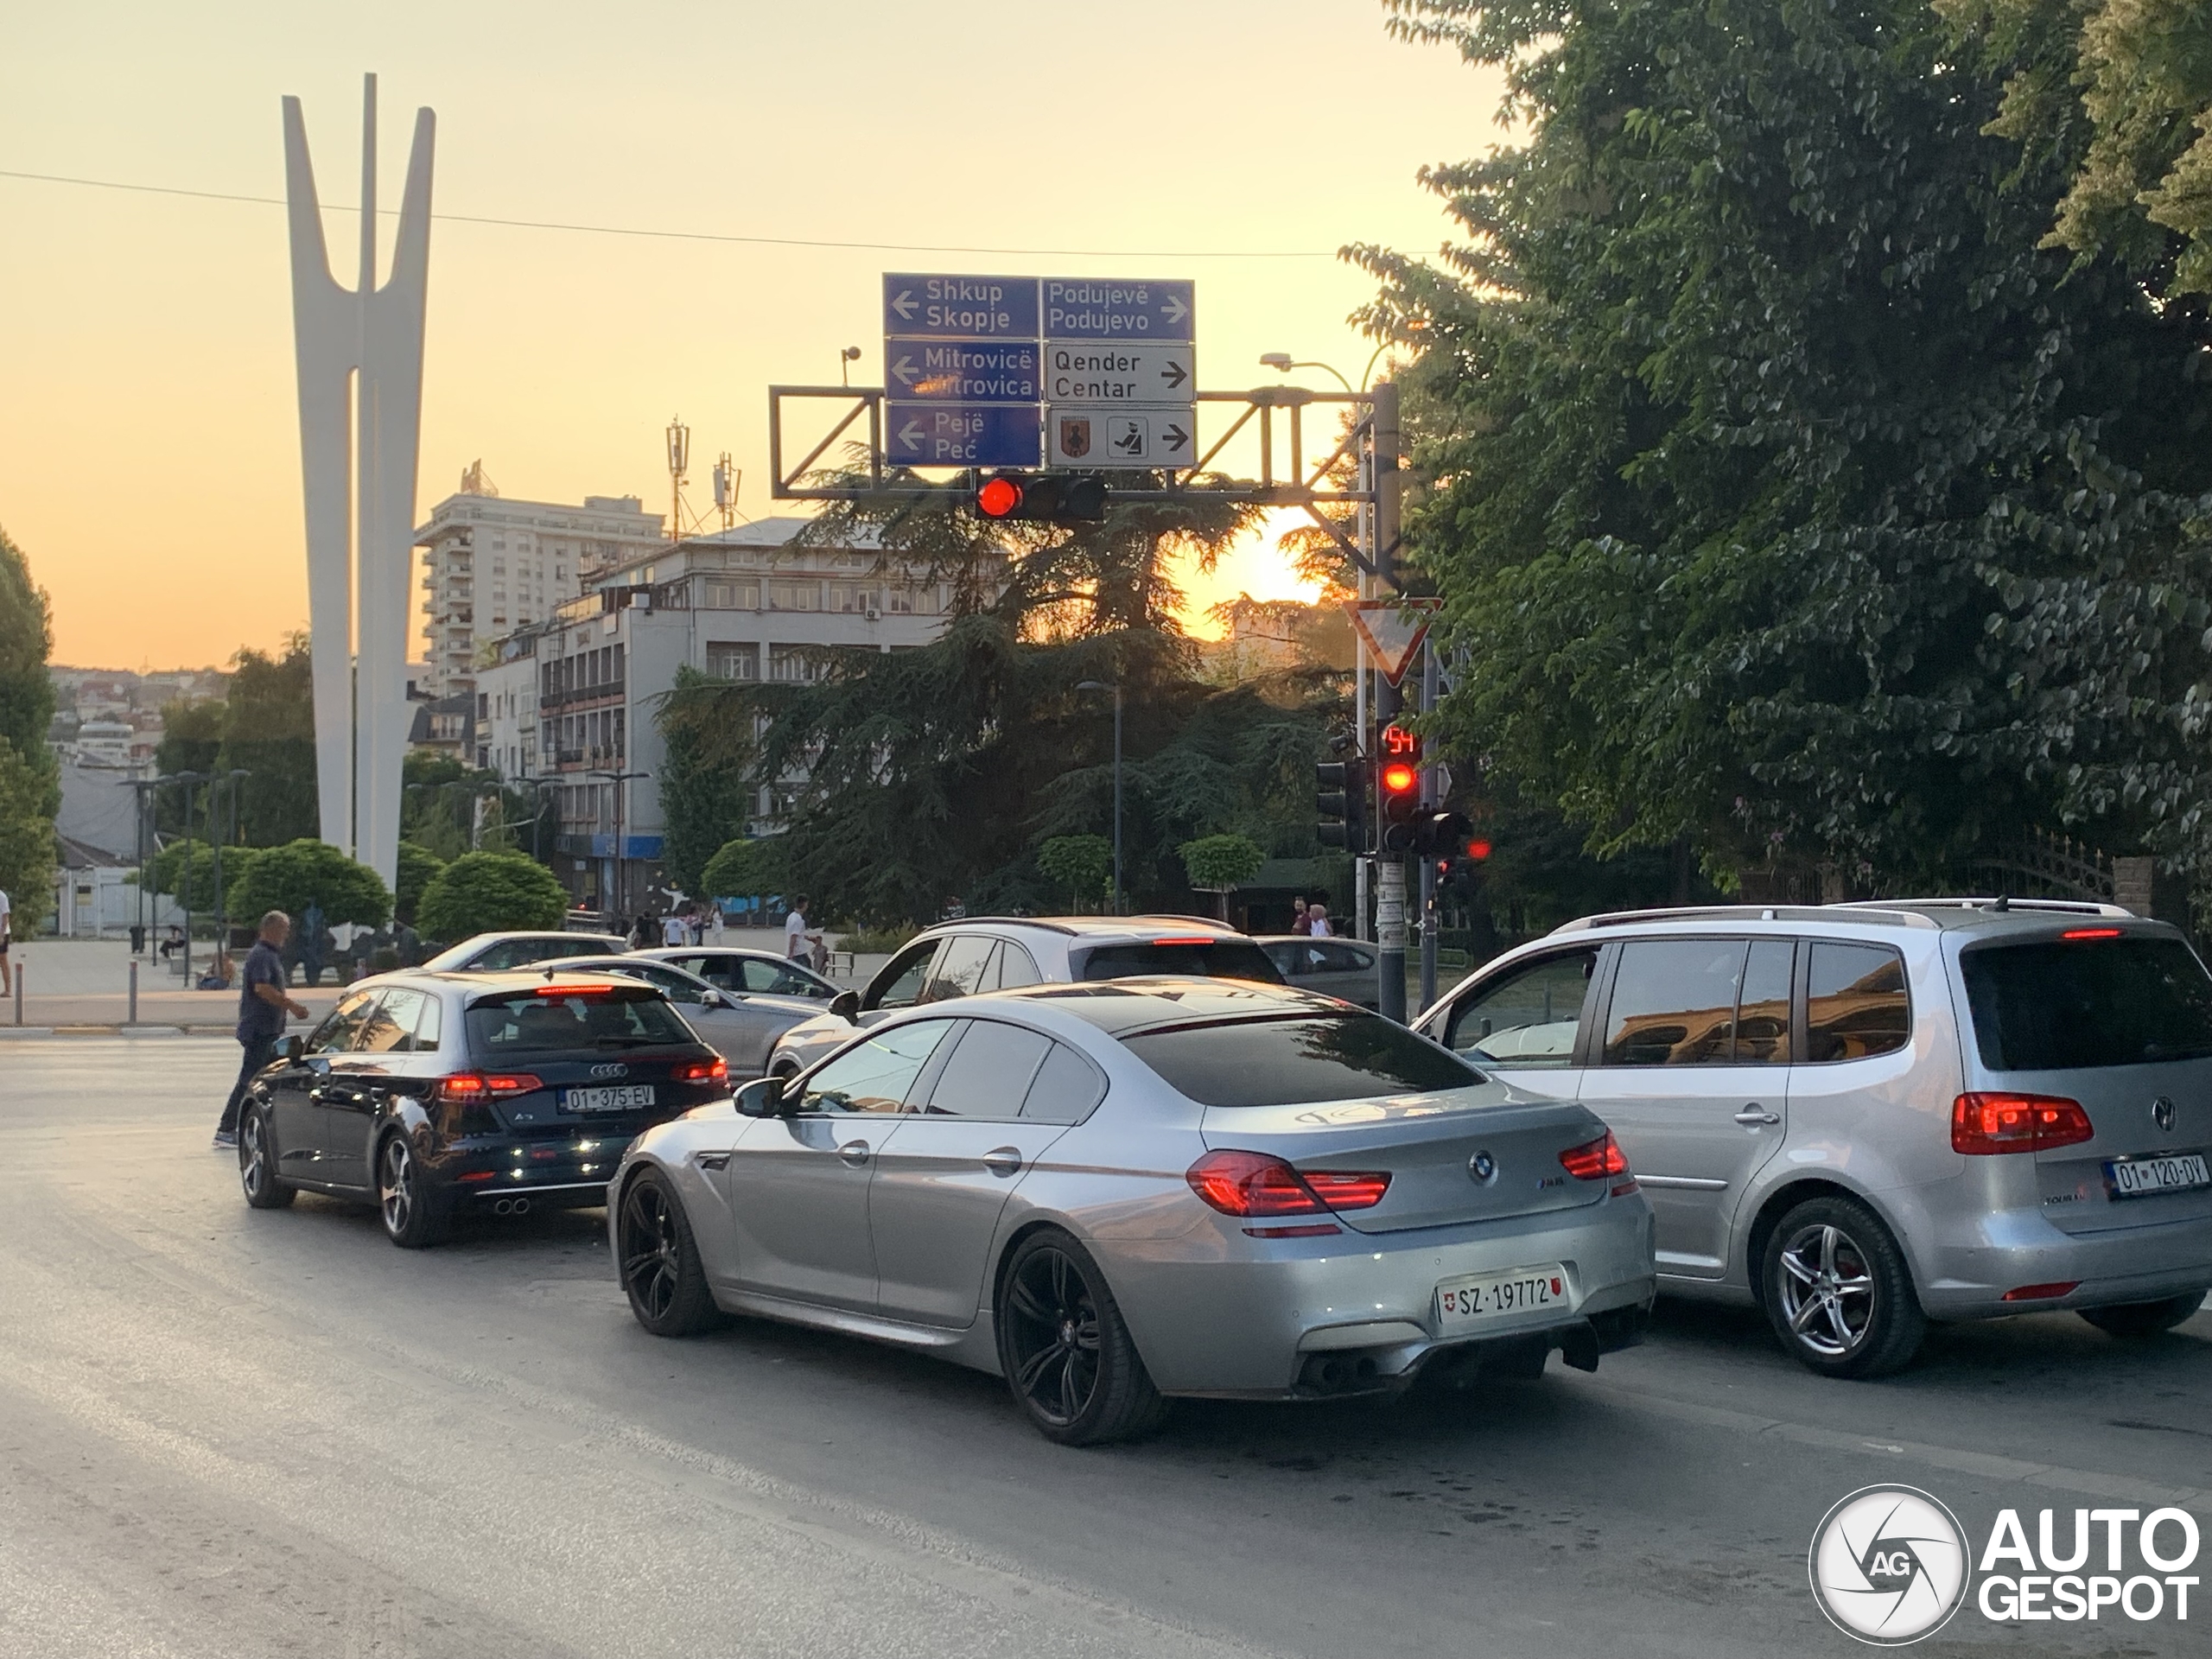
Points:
(679, 464)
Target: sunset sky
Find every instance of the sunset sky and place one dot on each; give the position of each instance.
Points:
(149, 449)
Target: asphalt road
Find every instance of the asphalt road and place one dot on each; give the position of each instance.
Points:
(229, 1433)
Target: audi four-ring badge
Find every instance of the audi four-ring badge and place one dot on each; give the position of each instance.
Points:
(1113, 1192)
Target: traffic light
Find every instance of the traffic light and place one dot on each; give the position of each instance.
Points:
(1343, 797)
(1045, 498)
(1399, 782)
(1442, 834)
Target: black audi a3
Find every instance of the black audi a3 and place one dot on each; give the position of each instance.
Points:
(436, 1094)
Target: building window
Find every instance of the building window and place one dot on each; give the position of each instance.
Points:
(794, 595)
(791, 663)
(849, 597)
(732, 595)
(734, 662)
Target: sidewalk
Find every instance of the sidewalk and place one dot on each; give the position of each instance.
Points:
(86, 984)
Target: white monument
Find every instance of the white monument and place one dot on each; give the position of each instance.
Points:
(368, 342)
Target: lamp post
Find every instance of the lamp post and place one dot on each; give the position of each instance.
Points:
(230, 824)
(188, 778)
(1116, 688)
(618, 779)
(537, 786)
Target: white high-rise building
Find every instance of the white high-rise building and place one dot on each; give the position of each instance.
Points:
(492, 564)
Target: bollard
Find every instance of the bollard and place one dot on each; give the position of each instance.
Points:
(19, 993)
(134, 991)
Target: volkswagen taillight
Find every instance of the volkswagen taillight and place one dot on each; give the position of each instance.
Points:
(1982, 1124)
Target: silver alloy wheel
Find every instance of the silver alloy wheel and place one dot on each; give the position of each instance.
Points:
(1827, 1290)
(395, 1185)
(253, 1155)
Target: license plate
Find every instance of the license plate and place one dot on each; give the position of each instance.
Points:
(1474, 1298)
(614, 1097)
(2141, 1177)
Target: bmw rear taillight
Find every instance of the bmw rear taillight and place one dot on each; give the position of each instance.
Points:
(1244, 1184)
(1982, 1124)
(715, 1070)
(1595, 1160)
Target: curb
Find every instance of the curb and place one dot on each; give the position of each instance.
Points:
(28, 1031)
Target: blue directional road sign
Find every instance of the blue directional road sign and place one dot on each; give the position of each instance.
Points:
(921, 306)
(962, 371)
(961, 435)
(1098, 308)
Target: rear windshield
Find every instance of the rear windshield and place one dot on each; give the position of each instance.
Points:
(1291, 1062)
(530, 1022)
(1202, 958)
(2069, 1005)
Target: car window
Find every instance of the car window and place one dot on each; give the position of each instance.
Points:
(959, 971)
(1331, 958)
(1286, 954)
(1016, 967)
(1067, 1089)
(430, 1025)
(716, 970)
(676, 987)
(1528, 1018)
(389, 1028)
(778, 979)
(342, 1028)
(1673, 1002)
(1763, 1004)
(1282, 1062)
(2072, 1004)
(989, 1073)
(1202, 957)
(558, 1019)
(1855, 1001)
(899, 984)
(875, 1074)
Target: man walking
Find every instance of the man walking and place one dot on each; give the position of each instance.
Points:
(798, 938)
(263, 1004)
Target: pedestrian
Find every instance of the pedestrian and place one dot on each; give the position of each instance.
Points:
(642, 934)
(6, 970)
(672, 929)
(262, 1005)
(1317, 920)
(311, 926)
(798, 937)
(1298, 917)
(714, 922)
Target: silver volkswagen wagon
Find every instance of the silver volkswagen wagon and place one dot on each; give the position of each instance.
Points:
(1863, 1118)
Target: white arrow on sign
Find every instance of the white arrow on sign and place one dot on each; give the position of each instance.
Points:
(903, 305)
(1173, 309)
(903, 368)
(911, 435)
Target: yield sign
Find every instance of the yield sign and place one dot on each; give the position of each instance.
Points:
(1393, 629)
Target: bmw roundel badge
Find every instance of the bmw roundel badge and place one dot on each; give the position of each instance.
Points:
(1482, 1166)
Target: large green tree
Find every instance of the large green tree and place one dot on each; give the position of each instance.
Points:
(303, 871)
(26, 688)
(489, 892)
(26, 839)
(1785, 496)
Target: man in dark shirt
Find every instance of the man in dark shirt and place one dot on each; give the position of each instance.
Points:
(263, 1004)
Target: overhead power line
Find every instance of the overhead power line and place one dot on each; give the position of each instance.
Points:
(703, 236)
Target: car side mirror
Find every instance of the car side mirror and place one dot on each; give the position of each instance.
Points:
(846, 1004)
(289, 1049)
(763, 1097)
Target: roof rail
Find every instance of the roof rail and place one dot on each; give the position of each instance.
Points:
(2063, 906)
(1007, 921)
(1735, 913)
(1170, 916)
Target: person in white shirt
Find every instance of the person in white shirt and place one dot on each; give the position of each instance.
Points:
(672, 929)
(798, 937)
(1317, 920)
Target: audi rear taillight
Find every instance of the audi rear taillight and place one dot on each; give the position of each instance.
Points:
(1983, 1124)
(1595, 1160)
(1252, 1184)
(472, 1086)
(716, 1071)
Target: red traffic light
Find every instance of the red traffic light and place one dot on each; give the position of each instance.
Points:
(1400, 778)
(1478, 848)
(999, 498)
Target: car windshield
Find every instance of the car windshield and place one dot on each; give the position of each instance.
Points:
(2063, 1004)
(555, 1018)
(1202, 958)
(1287, 1062)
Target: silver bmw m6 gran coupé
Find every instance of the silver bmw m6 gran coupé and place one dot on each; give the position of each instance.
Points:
(1112, 1193)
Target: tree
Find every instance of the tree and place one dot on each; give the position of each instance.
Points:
(186, 871)
(268, 731)
(27, 695)
(290, 877)
(1782, 493)
(1080, 864)
(418, 866)
(26, 838)
(1217, 863)
(706, 799)
(745, 868)
(491, 892)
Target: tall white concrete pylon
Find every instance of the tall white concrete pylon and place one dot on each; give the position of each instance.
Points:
(371, 337)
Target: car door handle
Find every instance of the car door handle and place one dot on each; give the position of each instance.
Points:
(854, 1152)
(1756, 1117)
(1003, 1160)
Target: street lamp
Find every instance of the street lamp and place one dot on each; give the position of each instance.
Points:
(1283, 363)
(230, 824)
(619, 778)
(188, 778)
(1116, 688)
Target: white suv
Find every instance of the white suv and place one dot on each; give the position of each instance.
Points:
(1864, 1117)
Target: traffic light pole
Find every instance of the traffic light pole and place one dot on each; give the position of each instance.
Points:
(1432, 797)
(1390, 867)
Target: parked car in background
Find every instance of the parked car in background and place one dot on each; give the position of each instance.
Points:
(1110, 1193)
(493, 953)
(749, 972)
(1345, 968)
(434, 1095)
(1863, 1118)
(740, 1026)
(991, 953)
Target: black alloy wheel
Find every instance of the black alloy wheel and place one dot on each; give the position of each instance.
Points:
(659, 1262)
(258, 1163)
(413, 1217)
(1838, 1292)
(1067, 1355)
(2137, 1320)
